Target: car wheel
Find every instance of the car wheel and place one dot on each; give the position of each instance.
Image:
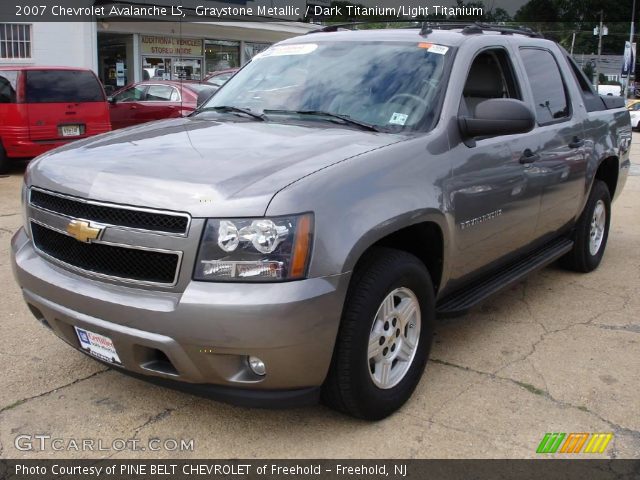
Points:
(4, 161)
(591, 232)
(384, 338)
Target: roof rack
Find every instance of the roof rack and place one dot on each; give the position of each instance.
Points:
(474, 28)
(343, 26)
(468, 28)
(477, 28)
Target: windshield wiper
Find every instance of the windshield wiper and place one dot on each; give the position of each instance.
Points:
(232, 109)
(335, 116)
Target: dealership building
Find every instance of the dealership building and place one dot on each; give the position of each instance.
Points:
(122, 52)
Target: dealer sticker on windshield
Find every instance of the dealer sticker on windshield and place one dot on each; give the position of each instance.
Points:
(398, 118)
(439, 49)
(281, 50)
(98, 345)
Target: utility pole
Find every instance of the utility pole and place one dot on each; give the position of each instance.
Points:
(633, 60)
(573, 41)
(600, 28)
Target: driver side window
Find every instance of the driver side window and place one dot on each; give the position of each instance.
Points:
(491, 76)
(133, 94)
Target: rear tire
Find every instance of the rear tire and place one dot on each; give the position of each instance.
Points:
(390, 300)
(591, 231)
(5, 163)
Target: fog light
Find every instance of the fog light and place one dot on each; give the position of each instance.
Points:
(257, 366)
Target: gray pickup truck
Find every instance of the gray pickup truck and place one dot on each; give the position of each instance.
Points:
(296, 238)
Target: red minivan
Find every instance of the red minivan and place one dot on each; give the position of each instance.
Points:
(44, 107)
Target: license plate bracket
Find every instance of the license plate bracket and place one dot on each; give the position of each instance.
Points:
(97, 345)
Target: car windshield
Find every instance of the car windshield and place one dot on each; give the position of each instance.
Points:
(386, 86)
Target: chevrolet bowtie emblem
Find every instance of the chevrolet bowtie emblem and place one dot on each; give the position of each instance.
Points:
(83, 231)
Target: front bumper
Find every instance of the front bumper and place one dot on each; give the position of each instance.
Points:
(201, 337)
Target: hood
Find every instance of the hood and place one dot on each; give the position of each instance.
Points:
(204, 167)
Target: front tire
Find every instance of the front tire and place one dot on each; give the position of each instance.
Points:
(384, 338)
(591, 231)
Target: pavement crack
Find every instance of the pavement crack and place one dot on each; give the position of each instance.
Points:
(153, 419)
(17, 403)
(617, 429)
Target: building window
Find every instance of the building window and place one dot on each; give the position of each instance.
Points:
(221, 55)
(15, 40)
(252, 49)
(612, 77)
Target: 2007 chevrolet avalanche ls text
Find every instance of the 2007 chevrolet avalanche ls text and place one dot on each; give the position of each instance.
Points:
(297, 236)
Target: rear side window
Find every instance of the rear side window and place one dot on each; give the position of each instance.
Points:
(162, 93)
(548, 89)
(8, 82)
(62, 86)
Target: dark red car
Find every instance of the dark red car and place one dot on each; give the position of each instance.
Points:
(44, 107)
(154, 100)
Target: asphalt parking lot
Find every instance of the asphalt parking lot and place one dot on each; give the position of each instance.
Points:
(559, 352)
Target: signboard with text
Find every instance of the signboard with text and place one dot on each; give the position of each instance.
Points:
(171, 46)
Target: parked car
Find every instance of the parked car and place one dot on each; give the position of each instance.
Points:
(154, 100)
(283, 245)
(633, 105)
(611, 90)
(634, 113)
(44, 107)
(220, 77)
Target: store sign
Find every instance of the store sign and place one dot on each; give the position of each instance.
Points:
(172, 46)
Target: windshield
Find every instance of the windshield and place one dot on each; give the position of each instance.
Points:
(387, 85)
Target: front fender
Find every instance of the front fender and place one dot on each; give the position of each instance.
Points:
(364, 199)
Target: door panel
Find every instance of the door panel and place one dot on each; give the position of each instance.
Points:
(494, 207)
(161, 101)
(558, 141)
(126, 110)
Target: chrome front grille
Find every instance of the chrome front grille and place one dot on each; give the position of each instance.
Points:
(109, 260)
(132, 245)
(108, 214)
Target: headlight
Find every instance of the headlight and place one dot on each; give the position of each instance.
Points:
(255, 249)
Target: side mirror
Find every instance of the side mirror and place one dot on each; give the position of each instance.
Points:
(111, 100)
(497, 116)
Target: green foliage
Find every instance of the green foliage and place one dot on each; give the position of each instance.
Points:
(558, 19)
(555, 19)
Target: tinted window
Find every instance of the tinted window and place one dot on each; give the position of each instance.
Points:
(391, 85)
(133, 94)
(8, 80)
(546, 83)
(61, 86)
(162, 93)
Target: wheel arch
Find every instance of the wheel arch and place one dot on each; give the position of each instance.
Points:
(608, 170)
(422, 237)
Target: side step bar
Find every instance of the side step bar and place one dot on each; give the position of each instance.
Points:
(460, 302)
